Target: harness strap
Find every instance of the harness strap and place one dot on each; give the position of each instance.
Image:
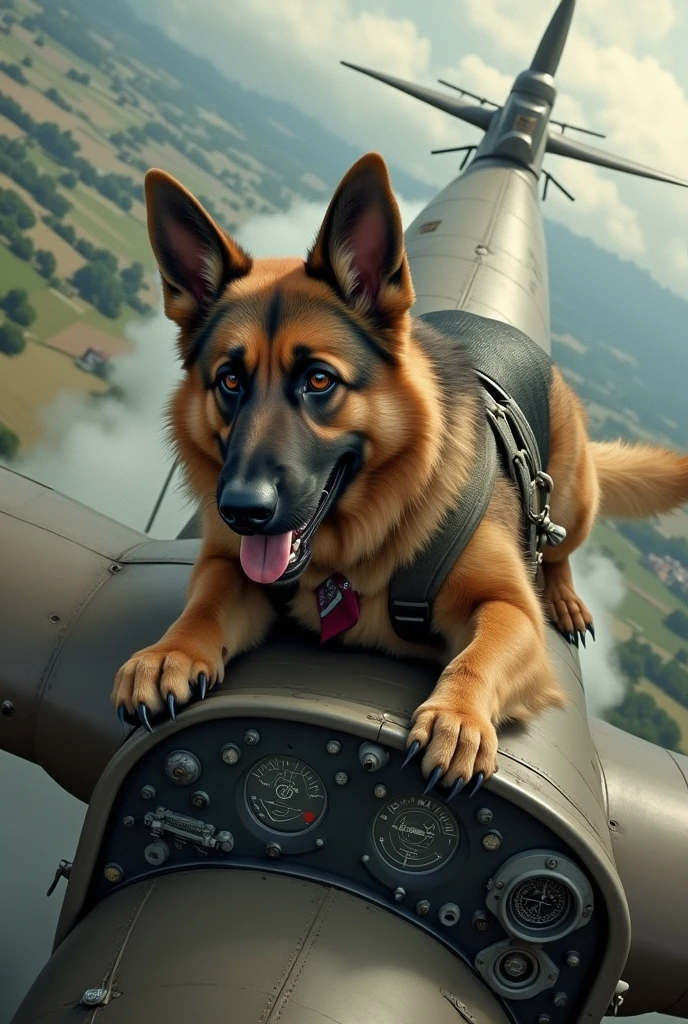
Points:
(413, 588)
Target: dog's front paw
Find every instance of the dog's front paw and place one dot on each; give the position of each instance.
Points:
(163, 676)
(458, 743)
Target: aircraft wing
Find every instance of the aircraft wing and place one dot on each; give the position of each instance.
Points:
(559, 145)
(478, 116)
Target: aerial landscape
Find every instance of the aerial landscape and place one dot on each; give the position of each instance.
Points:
(93, 93)
(89, 100)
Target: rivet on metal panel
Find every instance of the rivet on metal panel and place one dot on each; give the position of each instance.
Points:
(7, 708)
(94, 997)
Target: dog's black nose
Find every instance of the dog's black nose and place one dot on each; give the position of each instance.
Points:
(248, 506)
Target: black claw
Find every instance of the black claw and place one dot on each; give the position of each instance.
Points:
(456, 789)
(582, 637)
(171, 706)
(203, 684)
(479, 781)
(122, 714)
(411, 753)
(143, 715)
(571, 637)
(437, 774)
(576, 640)
(591, 629)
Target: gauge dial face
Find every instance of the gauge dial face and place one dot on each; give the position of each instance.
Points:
(415, 834)
(540, 902)
(285, 794)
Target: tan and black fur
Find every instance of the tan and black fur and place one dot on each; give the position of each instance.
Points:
(412, 429)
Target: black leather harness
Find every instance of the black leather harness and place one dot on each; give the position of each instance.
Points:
(515, 377)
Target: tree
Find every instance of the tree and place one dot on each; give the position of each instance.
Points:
(132, 278)
(98, 284)
(46, 264)
(677, 622)
(12, 341)
(16, 305)
(22, 246)
(640, 715)
(9, 443)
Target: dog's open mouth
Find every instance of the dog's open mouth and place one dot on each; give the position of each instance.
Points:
(284, 557)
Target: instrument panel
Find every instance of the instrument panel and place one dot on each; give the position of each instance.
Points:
(484, 877)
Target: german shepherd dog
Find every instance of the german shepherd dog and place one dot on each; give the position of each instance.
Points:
(319, 436)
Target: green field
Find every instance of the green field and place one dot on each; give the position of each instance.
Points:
(53, 314)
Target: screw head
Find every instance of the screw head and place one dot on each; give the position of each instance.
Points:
(54, 618)
(480, 921)
(551, 863)
(573, 958)
(225, 841)
(484, 815)
(380, 791)
(491, 841)
(113, 873)
(341, 778)
(230, 753)
(128, 821)
(93, 997)
(200, 799)
(7, 708)
(399, 894)
(252, 736)
(544, 1018)
(273, 850)
(560, 1000)
(365, 858)
(148, 793)
(422, 907)
(333, 747)
(499, 885)
(515, 965)
(320, 843)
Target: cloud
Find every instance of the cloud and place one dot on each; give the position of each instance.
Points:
(293, 48)
(601, 587)
(109, 454)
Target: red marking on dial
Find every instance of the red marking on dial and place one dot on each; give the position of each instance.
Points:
(308, 817)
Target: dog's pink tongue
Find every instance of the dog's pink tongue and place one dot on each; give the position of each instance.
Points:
(264, 559)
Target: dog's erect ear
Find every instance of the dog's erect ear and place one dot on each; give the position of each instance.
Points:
(196, 258)
(359, 250)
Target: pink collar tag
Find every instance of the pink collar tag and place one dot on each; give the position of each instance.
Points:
(337, 606)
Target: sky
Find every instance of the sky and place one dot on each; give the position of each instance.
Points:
(623, 73)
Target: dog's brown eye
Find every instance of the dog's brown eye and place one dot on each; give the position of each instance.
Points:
(230, 382)
(320, 381)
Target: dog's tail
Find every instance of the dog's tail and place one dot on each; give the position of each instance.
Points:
(639, 480)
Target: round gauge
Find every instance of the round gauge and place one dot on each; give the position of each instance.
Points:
(415, 834)
(540, 902)
(285, 794)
